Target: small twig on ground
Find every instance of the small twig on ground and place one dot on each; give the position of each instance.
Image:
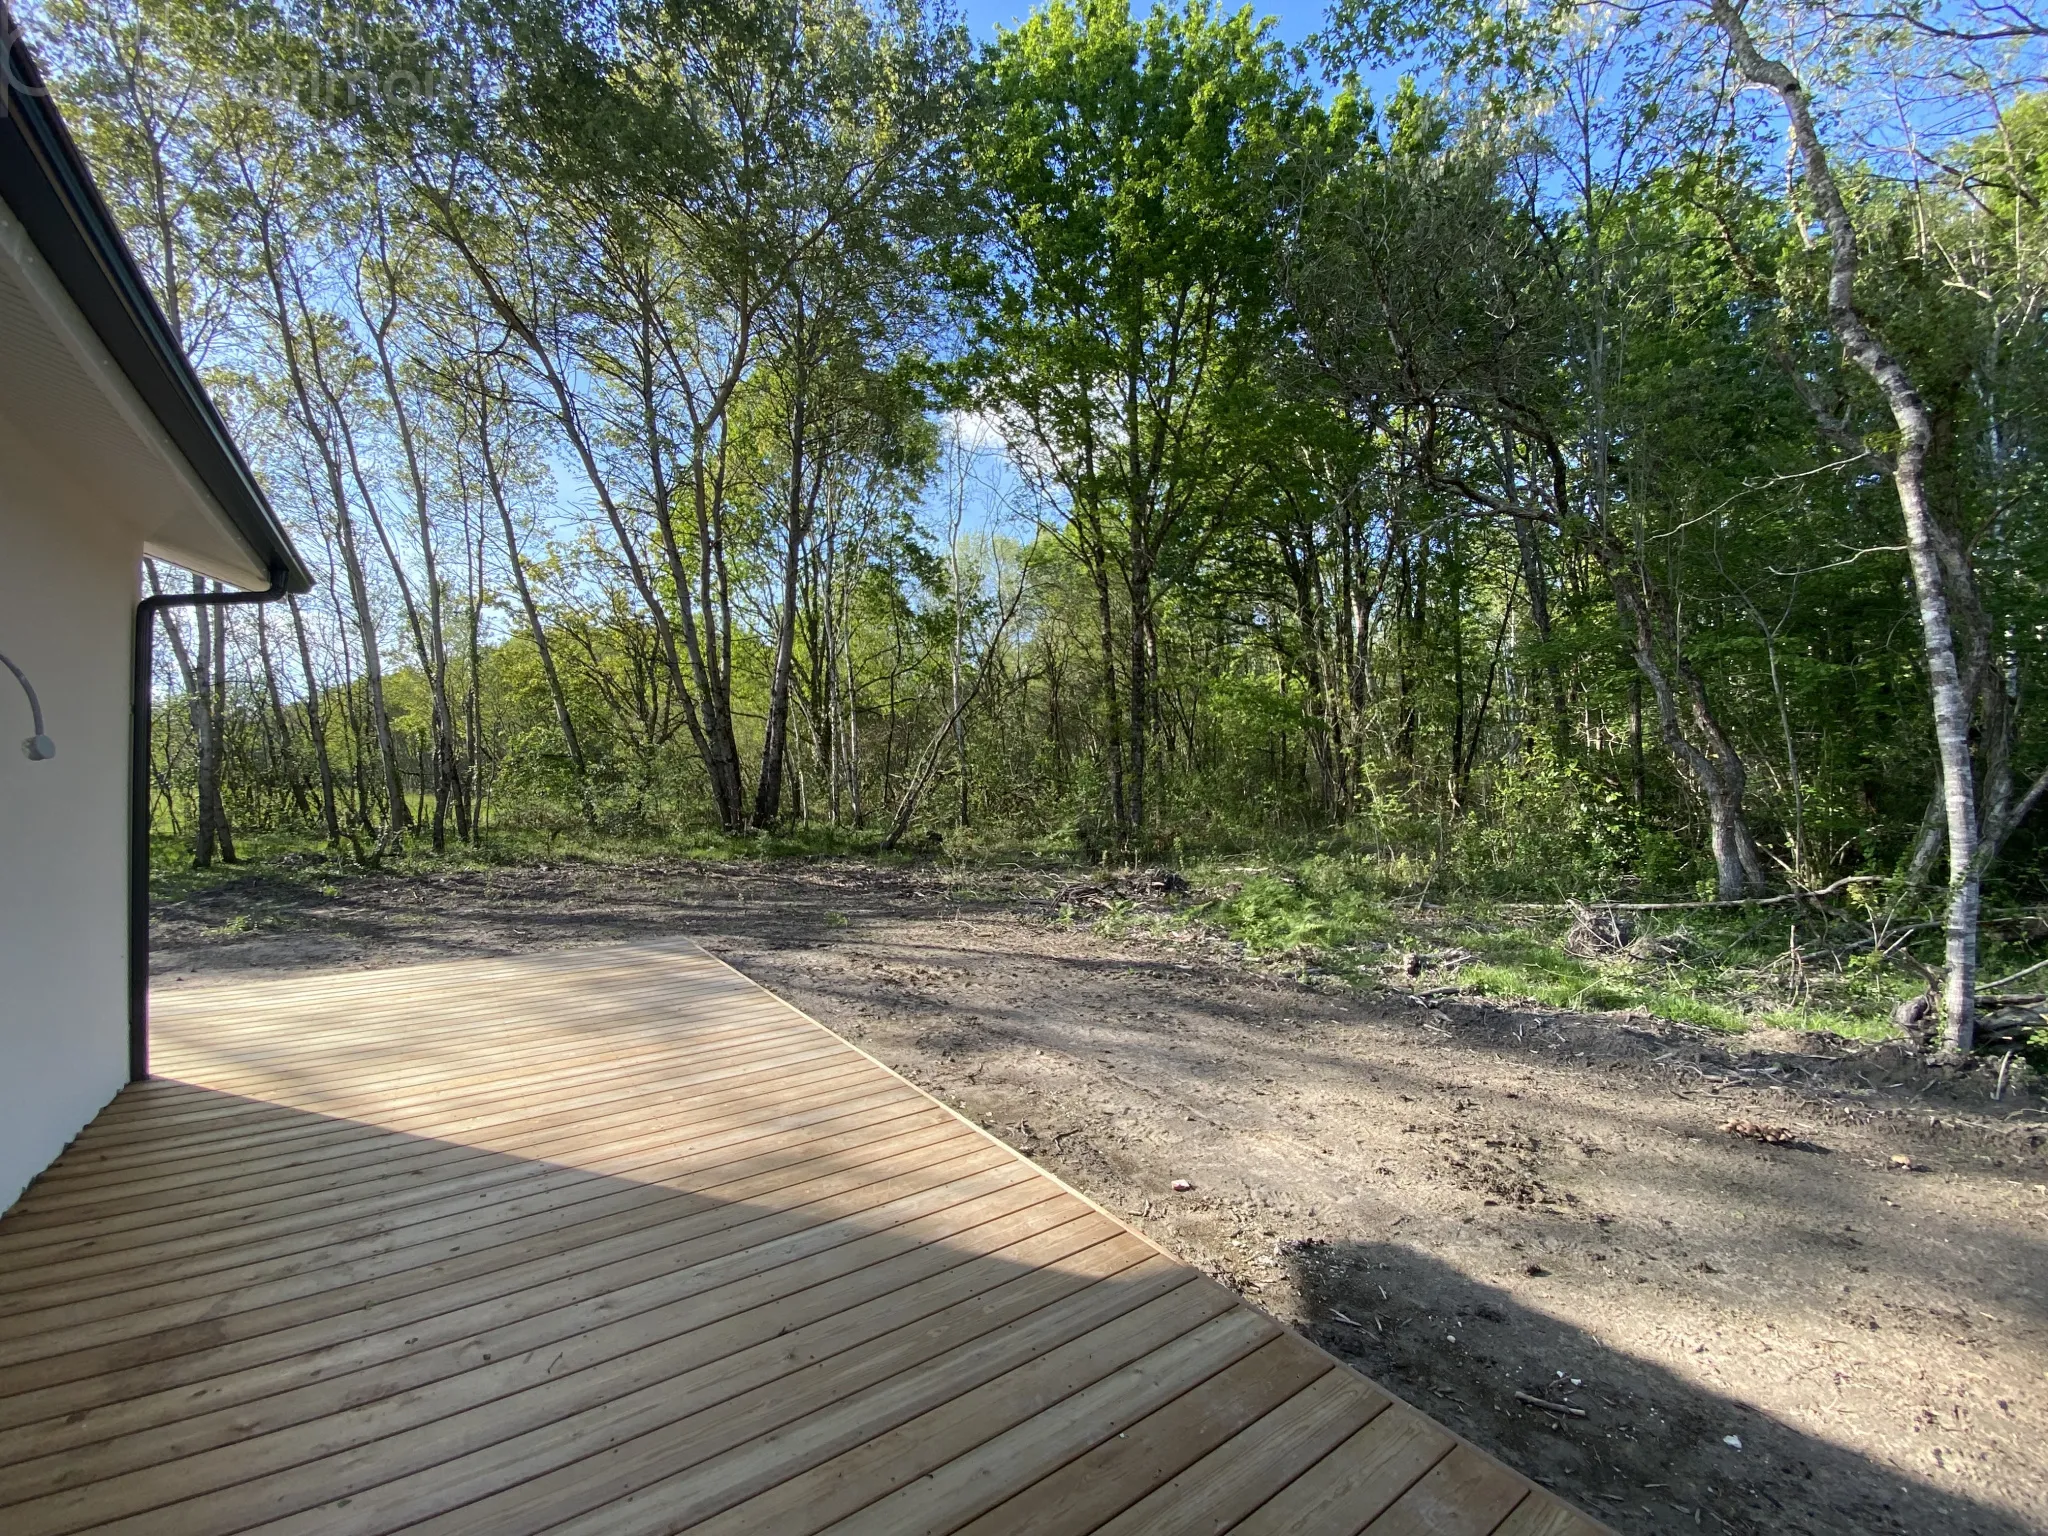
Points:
(1548, 1406)
(2004, 1066)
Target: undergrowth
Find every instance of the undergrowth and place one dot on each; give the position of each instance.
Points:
(1722, 969)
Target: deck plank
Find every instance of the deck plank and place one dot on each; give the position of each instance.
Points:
(262, 1299)
(1357, 1481)
(583, 1139)
(193, 1160)
(610, 1241)
(1220, 1489)
(603, 1136)
(1542, 1514)
(547, 1198)
(1465, 1494)
(414, 1352)
(1118, 1470)
(813, 1499)
(853, 1420)
(508, 1418)
(617, 1250)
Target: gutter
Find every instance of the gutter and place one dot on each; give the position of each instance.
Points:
(141, 704)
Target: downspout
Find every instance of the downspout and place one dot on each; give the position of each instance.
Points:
(141, 683)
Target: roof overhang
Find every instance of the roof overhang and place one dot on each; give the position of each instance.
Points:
(93, 375)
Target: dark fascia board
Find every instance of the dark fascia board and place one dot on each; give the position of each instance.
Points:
(44, 180)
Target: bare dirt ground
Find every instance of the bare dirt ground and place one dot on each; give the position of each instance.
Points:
(1478, 1206)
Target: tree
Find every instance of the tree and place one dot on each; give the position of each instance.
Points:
(1426, 299)
(1943, 581)
(1118, 306)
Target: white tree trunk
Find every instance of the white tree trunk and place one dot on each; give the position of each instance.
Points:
(1860, 344)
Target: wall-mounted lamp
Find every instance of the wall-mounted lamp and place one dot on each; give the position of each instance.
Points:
(37, 748)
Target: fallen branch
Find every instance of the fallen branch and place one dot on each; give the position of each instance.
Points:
(1993, 986)
(1538, 1402)
(1743, 901)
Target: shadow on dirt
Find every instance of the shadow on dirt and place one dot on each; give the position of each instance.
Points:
(1640, 1446)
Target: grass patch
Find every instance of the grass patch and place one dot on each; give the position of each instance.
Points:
(1314, 914)
(1726, 971)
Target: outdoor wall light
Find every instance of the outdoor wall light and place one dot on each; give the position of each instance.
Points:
(37, 748)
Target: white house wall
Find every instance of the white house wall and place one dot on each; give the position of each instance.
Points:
(68, 574)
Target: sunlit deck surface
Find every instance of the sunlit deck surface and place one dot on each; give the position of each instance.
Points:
(612, 1240)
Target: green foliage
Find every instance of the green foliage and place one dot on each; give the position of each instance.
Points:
(1322, 910)
(1359, 916)
(1552, 830)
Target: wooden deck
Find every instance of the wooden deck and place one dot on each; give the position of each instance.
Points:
(612, 1240)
